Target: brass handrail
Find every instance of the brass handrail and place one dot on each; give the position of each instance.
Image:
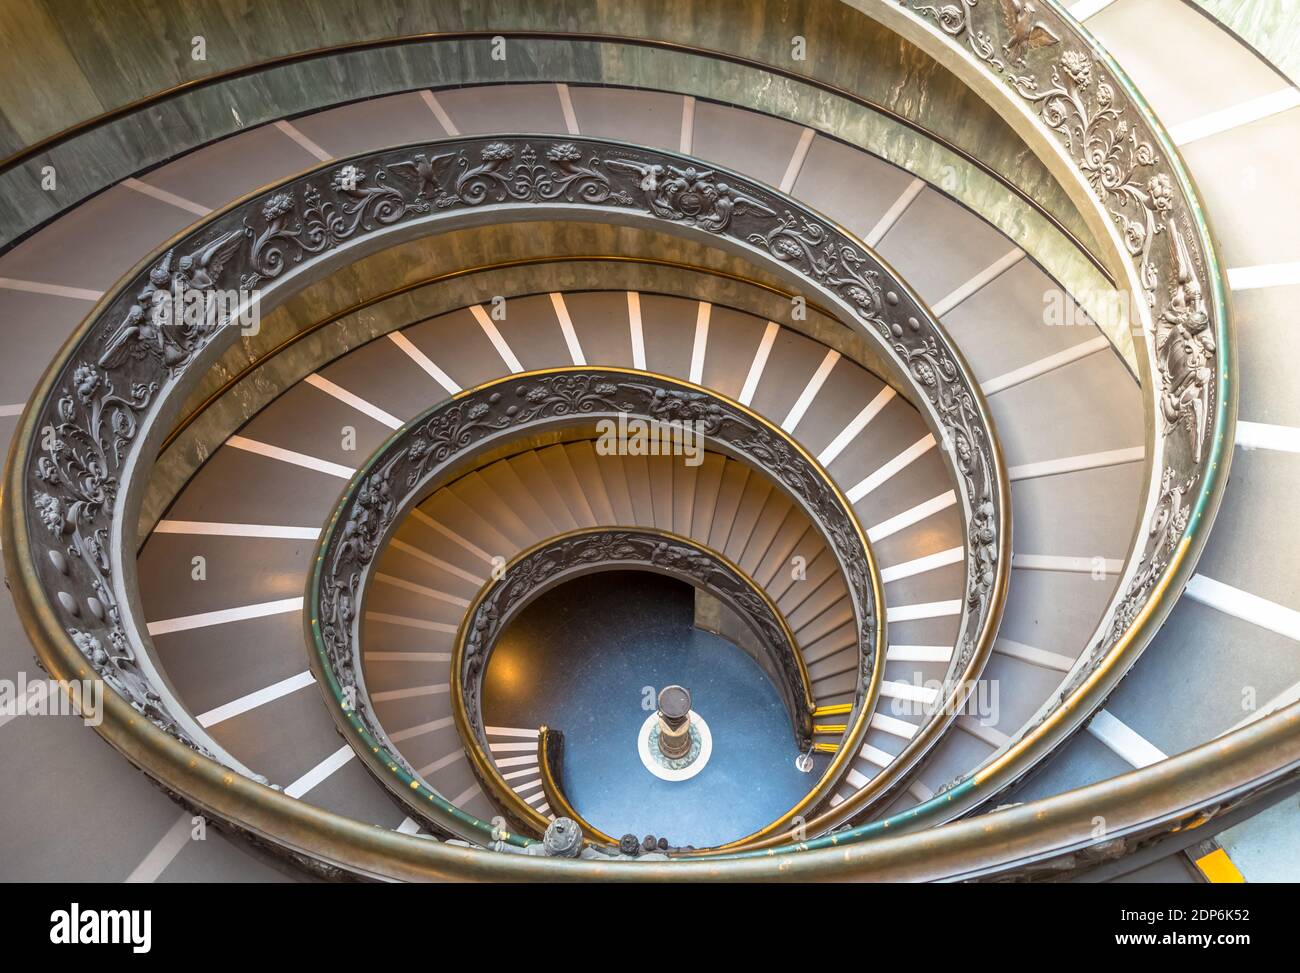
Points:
(616, 547)
(550, 759)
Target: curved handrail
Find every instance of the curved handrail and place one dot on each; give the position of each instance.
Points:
(447, 439)
(555, 560)
(550, 762)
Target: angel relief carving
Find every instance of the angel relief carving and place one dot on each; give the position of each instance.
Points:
(178, 308)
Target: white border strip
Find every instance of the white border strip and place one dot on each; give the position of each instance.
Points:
(418, 589)
(1263, 275)
(289, 456)
(701, 343)
(1263, 435)
(408, 826)
(994, 737)
(508, 747)
(441, 762)
(893, 726)
(1044, 365)
(306, 144)
(163, 196)
(455, 538)
(566, 327)
(918, 653)
(797, 160)
(411, 692)
(928, 609)
(634, 329)
(224, 616)
(407, 656)
(1034, 656)
(922, 564)
(406, 621)
(528, 758)
(909, 517)
(212, 529)
(895, 212)
(809, 393)
(490, 329)
(566, 106)
(892, 468)
(400, 545)
(977, 283)
(893, 689)
(1073, 464)
(759, 363)
(420, 729)
(255, 699)
(439, 112)
(318, 381)
(875, 756)
(1235, 116)
(164, 853)
(850, 432)
(321, 772)
(1242, 604)
(423, 360)
(1068, 563)
(1123, 740)
(51, 290)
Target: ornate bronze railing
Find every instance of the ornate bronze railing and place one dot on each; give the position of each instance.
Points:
(453, 436)
(103, 406)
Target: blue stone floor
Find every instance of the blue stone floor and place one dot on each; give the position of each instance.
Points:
(589, 657)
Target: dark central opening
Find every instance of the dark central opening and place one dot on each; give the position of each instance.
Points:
(590, 657)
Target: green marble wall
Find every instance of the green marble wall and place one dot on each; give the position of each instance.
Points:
(93, 57)
(98, 56)
(1271, 27)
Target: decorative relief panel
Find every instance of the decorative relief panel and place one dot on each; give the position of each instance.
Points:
(1052, 68)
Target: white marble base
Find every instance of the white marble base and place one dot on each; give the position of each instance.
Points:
(658, 765)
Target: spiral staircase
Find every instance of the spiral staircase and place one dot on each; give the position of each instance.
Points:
(972, 330)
